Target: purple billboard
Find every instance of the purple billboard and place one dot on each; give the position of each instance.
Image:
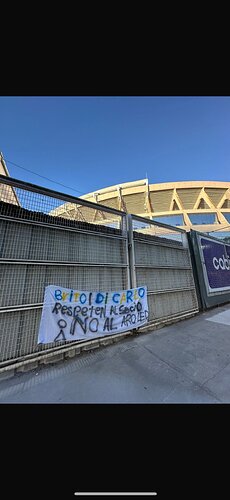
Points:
(216, 258)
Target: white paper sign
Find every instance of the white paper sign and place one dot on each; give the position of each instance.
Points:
(79, 315)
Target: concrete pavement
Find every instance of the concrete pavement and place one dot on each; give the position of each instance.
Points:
(187, 362)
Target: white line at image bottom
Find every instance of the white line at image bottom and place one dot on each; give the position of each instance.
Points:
(116, 494)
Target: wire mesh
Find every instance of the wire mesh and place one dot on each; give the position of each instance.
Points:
(49, 241)
(165, 279)
(148, 229)
(160, 255)
(167, 305)
(25, 283)
(162, 262)
(18, 334)
(44, 208)
(34, 242)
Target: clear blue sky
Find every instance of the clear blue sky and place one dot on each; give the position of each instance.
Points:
(88, 143)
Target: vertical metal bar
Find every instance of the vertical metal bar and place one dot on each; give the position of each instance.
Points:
(184, 238)
(132, 268)
(124, 228)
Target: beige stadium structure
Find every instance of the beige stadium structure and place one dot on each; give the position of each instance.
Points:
(200, 205)
(7, 193)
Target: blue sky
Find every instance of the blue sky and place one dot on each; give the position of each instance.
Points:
(88, 143)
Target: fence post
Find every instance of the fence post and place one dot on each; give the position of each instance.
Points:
(132, 269)
(185, 240)
(124, 229)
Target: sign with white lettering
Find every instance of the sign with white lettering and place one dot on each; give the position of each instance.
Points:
(216, 258)
(79, 315)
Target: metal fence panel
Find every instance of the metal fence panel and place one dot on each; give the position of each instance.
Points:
(171, 305)
(156, 254)
(45, 239)
(160, 259)
(167, 279)
(9, 328)
(49, 238)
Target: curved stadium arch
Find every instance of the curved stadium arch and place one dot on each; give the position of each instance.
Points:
(200, 205)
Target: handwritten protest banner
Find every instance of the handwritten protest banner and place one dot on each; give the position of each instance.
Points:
(79, 315)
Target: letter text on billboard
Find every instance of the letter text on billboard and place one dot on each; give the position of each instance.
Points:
(216, 258)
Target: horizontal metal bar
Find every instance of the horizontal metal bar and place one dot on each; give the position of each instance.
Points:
(21, 307)
(170, 290)
(62, 228)
(158, 243)
(27, 186)
(154, 223)
(60, 263)
(115, 494)
(153, 266)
